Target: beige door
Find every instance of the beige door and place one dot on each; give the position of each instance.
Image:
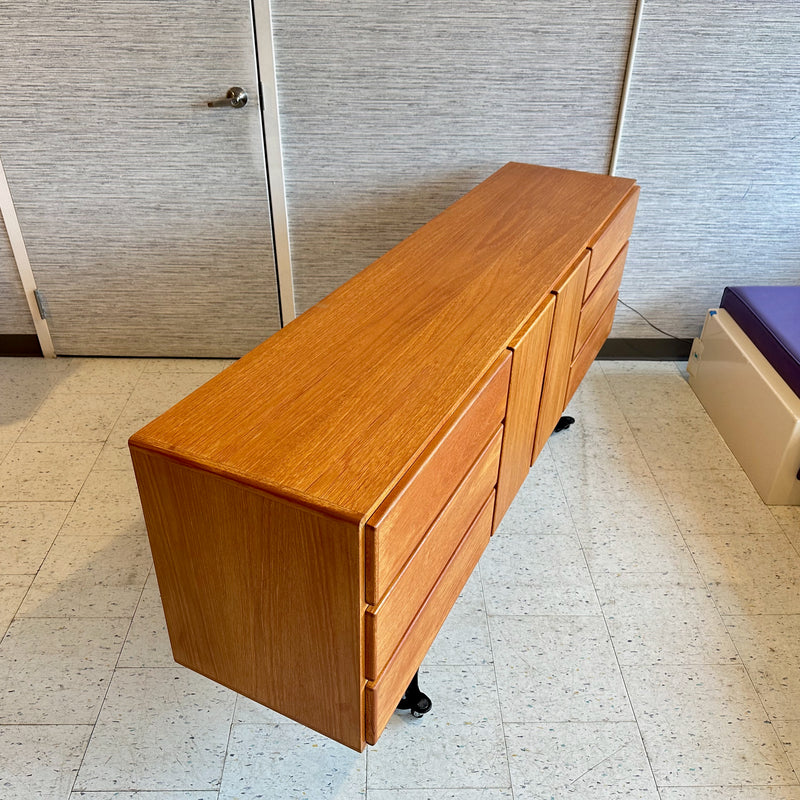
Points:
(145, 212)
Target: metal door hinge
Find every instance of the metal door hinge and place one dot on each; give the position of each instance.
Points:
(40, 304)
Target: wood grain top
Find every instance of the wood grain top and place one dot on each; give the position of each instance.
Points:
(331, 410)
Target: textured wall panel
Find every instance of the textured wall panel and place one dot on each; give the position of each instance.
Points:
(392, 110)
(144, 212)
(713, 136)
(15, 317)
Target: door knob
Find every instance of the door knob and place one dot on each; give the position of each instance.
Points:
(235, 96)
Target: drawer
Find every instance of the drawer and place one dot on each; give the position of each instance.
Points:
(610, 241)
(382, 696)
(582, 362)
(597, 302)
(386, 623)
(397, 527)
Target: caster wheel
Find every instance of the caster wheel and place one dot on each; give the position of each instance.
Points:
(563, 424)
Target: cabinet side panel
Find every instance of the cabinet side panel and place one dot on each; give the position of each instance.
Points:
(261, 596)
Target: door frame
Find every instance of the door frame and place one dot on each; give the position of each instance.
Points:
(270, 120)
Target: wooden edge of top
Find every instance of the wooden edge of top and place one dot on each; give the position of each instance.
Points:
(283, 494)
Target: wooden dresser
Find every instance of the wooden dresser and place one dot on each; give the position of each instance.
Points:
(315, 509)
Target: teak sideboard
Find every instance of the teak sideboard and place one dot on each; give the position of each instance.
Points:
(315, 509)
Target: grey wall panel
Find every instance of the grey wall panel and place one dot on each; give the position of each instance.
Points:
(15, 317)
(713, 136)
(392, 110)
(144, 211)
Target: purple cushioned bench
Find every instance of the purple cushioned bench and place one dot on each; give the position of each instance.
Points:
(770, 317)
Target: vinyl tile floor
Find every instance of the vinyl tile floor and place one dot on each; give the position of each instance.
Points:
(632, 631)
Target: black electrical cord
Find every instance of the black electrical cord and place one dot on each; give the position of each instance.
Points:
(655, 327)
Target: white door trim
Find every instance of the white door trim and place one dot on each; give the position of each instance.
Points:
(265, 53)
(20, 253)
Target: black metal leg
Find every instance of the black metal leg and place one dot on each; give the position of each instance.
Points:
(414, 699)
(563, 424)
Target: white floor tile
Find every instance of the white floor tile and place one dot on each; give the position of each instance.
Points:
(108, 503)
(46, 472)
(12, 591)
(732, 793)
(537, 574)
(27, 530)
(276, 761)
(576, 760)
(159, 729)
(210, 794)
(74, 418)
(663, 619)
(789, 519)
(789, 734)
(458, 744)
(770, 650)
(208, 366)
(249, 712)
(56, 671)
(99, 375)
(440, 794)
(751, 573)
(557, 669)
(715, 502)
(464, 638)
(147, 643)
(90, 576)
(40, 762)
(705, 726)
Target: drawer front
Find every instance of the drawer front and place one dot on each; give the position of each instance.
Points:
(610, 241)
(598, 300)
(569, 298)
(386, 623)
(396, 528)
(582, 362)
(382, 696)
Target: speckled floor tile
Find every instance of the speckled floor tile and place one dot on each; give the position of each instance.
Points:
(209, 366)
(602, 761)
(732, 793)
(39, 762)
(751, 573)
(646, 390)
(683, 443)
(158, 729)
(464, 637)
(12, 590)
(249, 712)
(90, 576)
(663, 619)
(4, 449)
(74, 418)
(459, 743)
(48, 471)
(115, 454)
(789, 519)
(147, 643)
(789, 735)
(157, 391)
(108, 503)
(56, 671)
(619, 547)
(26, 532)
(557, 669)
(540, 505)
(18, 405)
(705, 726)
(440, 794)
(209, 794)
(99, 375)
(537, 574)
(770, 650)
(272, 761)
(715, 502)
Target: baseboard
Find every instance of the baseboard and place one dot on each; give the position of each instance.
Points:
(19, 344)
(645, 350)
